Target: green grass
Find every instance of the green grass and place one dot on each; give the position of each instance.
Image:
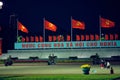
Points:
(61, 77)
(33, 71)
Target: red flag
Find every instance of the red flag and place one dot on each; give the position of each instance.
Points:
(22, 28)
(54, 38)
(87, 37)
(116, 36)
(106, 37)
(41, 39)
(50, 26)
(97, 37)
(77, 37)
(36, 39)
(82, 37)
(91, 37)
(23, 39)
(32, 39)
(68, 38)
(106, 23)
(27, 39)
(50, 38)
(59, 38)
(78, 25)
(111, 37)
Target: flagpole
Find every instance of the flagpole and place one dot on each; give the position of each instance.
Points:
(100, 30)
(71, 35)
(44, 28)
(71, 29)
(100, 26)
(17, 30)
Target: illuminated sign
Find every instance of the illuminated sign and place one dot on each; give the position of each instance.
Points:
(73, 44)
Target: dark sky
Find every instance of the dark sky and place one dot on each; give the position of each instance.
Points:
(31, 13)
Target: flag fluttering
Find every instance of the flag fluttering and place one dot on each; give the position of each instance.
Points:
(78, 25)
(22, 28)
(50, 26)
(106, 23)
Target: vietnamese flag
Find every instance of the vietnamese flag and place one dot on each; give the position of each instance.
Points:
(78, 25)
(50, 26)
(106, 23)
(21, 27)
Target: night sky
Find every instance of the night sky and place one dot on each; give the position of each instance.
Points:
(31, 13)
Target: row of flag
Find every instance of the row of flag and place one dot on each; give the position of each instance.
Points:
(104, 23)
(59, 38)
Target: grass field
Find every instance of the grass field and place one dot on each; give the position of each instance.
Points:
(61, 77)
(42, 71)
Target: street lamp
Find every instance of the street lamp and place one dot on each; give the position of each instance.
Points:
(1, 4)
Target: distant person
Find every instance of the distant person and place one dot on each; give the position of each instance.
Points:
(9, 61)
(107, 64)
(102, 64)
(111, 71)
(97, 56)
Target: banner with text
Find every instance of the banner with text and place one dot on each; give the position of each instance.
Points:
(65, 45)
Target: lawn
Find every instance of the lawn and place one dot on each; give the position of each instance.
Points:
(39, 71)
(61, 77)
